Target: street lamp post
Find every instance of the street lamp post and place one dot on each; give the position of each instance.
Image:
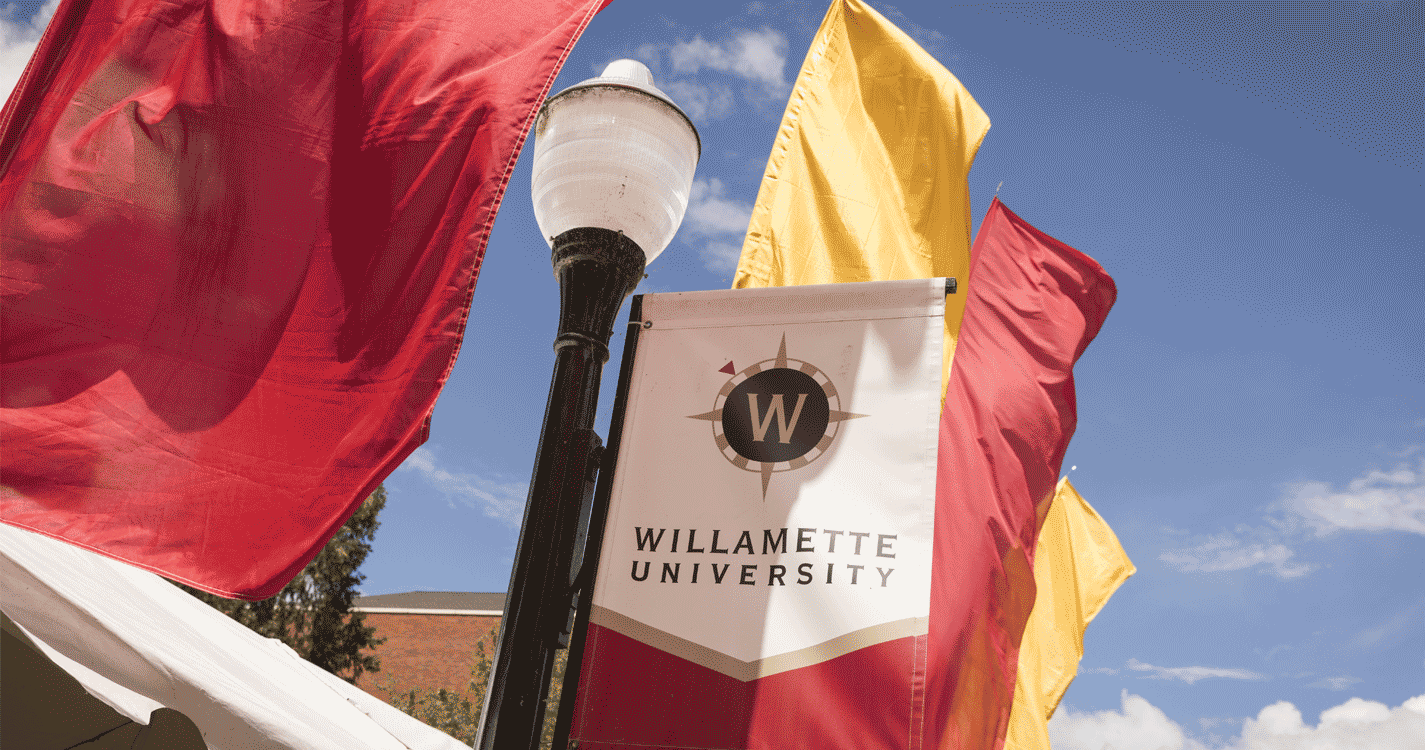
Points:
(613, 168)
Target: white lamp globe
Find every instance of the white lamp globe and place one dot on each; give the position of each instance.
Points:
(614, 152)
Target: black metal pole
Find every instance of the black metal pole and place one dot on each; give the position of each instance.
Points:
(596, 269)
(593, 543)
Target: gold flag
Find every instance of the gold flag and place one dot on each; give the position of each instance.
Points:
(867, 177)
(1078, 564)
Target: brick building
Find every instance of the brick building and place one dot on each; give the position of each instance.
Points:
(430, 638)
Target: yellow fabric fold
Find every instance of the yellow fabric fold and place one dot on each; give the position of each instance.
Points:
(867, 176)
(1078, 564)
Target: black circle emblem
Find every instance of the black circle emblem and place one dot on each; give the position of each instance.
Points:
(776, 415)
(779, 414)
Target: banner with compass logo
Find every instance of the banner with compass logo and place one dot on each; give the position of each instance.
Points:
(773, 503)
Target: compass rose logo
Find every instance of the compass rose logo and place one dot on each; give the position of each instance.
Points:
(776, 415)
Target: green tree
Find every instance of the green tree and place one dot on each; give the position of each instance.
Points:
(312, 614)
(458, 714)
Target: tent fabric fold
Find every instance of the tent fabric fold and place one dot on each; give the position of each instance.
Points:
(142, 643)
(42, 707)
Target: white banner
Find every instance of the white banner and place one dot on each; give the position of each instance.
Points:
(773, 503)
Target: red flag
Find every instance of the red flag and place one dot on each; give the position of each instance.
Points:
(1034, 305)
(239, 245)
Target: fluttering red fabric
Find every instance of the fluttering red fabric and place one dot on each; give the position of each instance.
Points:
(239, 245)
(1034, 305)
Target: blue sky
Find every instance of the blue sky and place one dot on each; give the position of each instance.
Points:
(1252, 416)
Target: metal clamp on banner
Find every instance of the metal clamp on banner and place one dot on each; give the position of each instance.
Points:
(579, 577)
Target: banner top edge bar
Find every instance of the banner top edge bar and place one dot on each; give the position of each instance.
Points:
(848, 301)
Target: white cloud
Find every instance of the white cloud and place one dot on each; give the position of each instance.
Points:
(705, 77)
(1335, 683)
(1378, 500)
(1226, 551)
(759, 56)
(1191, 675)
(1277, 719)
(17, 41)
(1354, 725)
(649, 53)
(1355, 711)
(1273, 651)
(721, 257)
(711, 212)
(1391, 630)
(720, 220)
(702, 101)
(1138, 725)
(504, 501)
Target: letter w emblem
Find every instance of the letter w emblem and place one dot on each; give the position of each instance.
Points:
(760, 423)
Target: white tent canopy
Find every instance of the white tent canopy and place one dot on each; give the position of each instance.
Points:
(137, 642)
